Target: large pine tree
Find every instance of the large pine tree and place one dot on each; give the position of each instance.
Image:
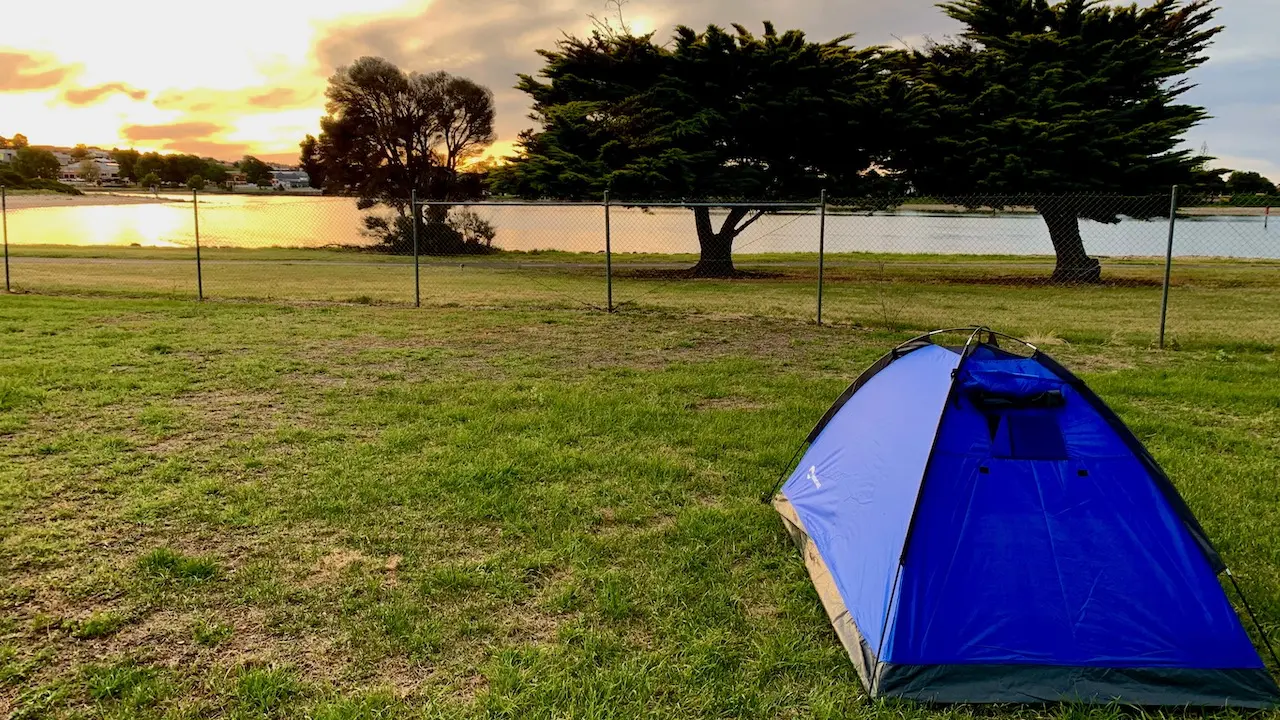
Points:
(1076, 100)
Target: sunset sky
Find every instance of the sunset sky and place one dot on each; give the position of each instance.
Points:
(247, 76)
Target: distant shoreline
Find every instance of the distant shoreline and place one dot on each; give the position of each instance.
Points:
(57, 200)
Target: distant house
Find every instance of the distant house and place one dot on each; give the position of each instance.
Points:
(8, 155)
(290, 179)
(108, 171)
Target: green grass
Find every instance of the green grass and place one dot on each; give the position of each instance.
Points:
(169, 565)
(210, 632)
(533, 510)
(100, 624)
(1213, 302)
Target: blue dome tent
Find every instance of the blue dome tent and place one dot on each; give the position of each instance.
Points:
(982, 528)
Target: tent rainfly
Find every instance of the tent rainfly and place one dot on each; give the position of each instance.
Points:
(982, 528)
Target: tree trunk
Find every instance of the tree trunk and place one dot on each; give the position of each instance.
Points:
(716, 258)
(1073, 264)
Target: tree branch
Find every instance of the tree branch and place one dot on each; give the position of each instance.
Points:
(732, 219)
(759, 214)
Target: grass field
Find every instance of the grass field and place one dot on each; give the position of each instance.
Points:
(253, 510)
(1213, 302)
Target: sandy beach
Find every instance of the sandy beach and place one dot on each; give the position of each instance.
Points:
(22, 202)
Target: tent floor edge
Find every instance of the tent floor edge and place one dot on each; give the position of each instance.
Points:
(859, 651)
(1244, 688)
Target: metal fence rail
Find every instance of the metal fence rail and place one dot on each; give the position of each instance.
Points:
(1172, 269)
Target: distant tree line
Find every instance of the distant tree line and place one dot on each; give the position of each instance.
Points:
(153, 169)
(150, 169)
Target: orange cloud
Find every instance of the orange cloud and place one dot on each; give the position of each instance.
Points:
(281, 158)
(283, 97)
(90, 95)
(235, 101)
(178, 131)
(25, 71)
(209, 148)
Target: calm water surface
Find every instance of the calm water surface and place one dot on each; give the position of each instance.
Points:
(292, 221)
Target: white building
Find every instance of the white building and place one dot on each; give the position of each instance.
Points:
(108, 171)
(8, 155)
(290, 179)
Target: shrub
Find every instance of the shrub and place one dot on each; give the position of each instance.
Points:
(461, 232)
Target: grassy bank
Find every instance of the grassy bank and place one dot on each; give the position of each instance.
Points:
(249, 510)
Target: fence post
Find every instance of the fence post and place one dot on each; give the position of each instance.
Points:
(417, 280)
(195, 209)
(4, 218)
(1168, 263)
(822, 248)
(608, 252)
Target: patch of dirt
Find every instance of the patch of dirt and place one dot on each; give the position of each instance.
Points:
(689, 274)
(229, 408)
(404, 677)
(392, 564)
(758, 610)
(220, 416)
(1029, 281)
(1094, 362)
(470, 688)
(1044, 340)
(327, 569)
(612, 529)
(528, 624)
(728, 403)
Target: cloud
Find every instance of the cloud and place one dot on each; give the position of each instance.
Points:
(209, 148)
(179, 131)
(1240, 97)
(1270, 170)
(27, 71)
(246, 100)
(90, 95)
(283, 97)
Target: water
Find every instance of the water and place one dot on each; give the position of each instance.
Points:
(293, 221)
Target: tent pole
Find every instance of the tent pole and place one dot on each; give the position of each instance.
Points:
(1249, 610)
(778, 485)
(937, 431)
(884, 630)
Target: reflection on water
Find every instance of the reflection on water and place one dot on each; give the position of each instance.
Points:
(155, 225)
(293, 221)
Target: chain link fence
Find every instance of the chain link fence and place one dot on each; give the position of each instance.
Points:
(1070, 267)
